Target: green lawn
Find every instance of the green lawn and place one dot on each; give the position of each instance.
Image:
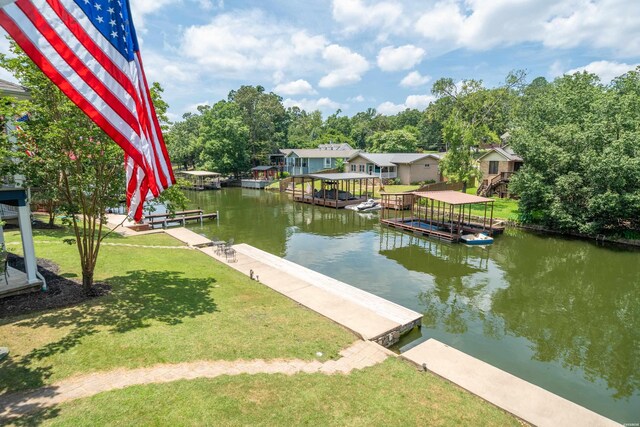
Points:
(389, 394)
(175, 305)
(167, 306)
(502, 208)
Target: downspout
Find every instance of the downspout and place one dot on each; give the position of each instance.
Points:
(44, 282)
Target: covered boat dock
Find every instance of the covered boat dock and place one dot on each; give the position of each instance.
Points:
(336, 190)
(445, 215)
(201, 180)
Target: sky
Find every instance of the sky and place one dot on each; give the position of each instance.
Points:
(357, 54)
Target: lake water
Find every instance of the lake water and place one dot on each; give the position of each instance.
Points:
(561, 313)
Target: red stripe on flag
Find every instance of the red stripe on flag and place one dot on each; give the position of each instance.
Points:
(76, 64)
(156, 123)
(50, 71)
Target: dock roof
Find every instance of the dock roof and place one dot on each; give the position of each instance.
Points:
(199, 173)
(336, 176)
(452, 197)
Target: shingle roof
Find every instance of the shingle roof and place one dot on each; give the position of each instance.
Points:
(12, 89)
(319, 154)
(392, 159)
(264, 168)
(505, 152)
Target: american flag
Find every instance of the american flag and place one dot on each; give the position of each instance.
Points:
(89, 49)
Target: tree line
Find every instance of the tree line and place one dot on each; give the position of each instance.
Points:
(579, 139)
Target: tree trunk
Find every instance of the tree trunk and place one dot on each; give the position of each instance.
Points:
(87, 281)
(52, 218)
(464, 186)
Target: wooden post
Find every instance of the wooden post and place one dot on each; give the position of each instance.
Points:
(484, 220)
(491, 220)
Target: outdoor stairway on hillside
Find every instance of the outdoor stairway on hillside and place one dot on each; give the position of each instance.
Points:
(490, 187)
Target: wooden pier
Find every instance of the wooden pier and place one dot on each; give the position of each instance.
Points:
(165, 219)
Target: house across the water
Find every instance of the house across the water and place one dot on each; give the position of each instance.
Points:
(408, 168)
(497, 167)
(300, 161)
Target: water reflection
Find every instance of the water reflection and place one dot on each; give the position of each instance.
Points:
(564, 314)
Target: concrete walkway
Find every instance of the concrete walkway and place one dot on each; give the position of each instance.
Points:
(371, 317)
(360, 355)
(517, 396)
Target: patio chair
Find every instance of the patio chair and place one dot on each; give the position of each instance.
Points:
(229, 252)
(217, 244)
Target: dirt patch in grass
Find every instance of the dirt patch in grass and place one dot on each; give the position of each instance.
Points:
(62, 291)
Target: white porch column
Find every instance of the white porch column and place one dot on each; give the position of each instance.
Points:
(24, 222)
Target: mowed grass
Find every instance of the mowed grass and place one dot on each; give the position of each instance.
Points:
(166, 306)
(502, 208)
(390, 394)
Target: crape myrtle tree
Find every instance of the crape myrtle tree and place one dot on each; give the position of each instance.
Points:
(70, 156)
(580, 141)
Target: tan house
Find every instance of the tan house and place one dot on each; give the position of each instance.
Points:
(409, 168)
(497, 166)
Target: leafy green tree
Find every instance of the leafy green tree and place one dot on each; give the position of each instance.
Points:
(478, 115)
(266, 118)
(225, 137)
(580, 142)
(304, 128)
(183, 139)
(393, 141)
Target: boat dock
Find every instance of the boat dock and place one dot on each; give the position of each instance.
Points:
(257, 184)
(529, 402)
(337, 190)
(168, 218)
(445, 215)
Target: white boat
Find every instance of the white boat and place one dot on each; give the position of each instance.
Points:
(477, 239)
(369, 205)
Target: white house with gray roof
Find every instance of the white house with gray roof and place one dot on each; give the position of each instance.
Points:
(409, 168)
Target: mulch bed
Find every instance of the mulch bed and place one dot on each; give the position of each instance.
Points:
(62, 291)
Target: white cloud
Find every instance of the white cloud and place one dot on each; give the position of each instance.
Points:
(606, 70)
(297, 87)
(347, 67)
(325, 105)
(358, 99)
(414, 79)
(483, 24)
(419, 102)
(399, 58)
(356, 15)
(237, 45)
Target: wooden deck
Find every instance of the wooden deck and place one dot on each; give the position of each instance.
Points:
(17, 284)
(331, 203)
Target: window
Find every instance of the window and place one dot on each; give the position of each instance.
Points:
(361, 168)
(493, 167)
(327, 162)
(427, 165)
(353, 168)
